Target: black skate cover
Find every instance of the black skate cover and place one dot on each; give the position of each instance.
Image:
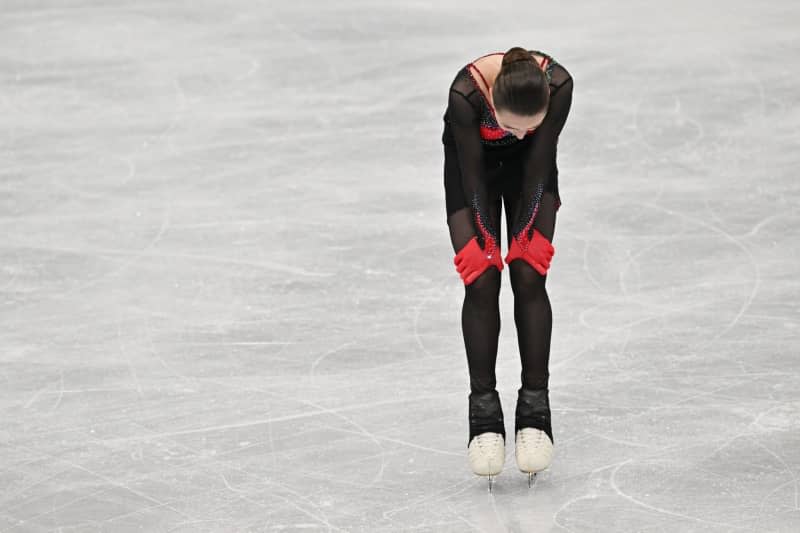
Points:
(533, 411)
(485, 414)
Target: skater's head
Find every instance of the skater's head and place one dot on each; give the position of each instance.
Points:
(521, 93)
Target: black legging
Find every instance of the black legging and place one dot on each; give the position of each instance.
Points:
(480, 315)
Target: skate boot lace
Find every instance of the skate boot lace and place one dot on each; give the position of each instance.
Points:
(530, 437)
(488, 440)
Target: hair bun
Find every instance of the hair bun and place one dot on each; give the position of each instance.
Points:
(516, 54)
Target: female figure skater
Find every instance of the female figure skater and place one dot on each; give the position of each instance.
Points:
(504, 115)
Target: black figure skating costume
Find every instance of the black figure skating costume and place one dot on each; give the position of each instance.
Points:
(485, 168)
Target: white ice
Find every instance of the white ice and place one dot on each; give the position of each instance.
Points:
(228, 299)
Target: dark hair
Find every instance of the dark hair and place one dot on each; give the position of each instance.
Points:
(521, 86)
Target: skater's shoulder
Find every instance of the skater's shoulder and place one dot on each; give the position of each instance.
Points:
(560, 77)
(464, 92)
(555, 71)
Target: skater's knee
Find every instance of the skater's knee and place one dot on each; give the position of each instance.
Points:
(526, 281)
(485, 290)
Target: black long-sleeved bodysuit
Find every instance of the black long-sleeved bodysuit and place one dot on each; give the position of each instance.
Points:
(484, 164)
(476, 147)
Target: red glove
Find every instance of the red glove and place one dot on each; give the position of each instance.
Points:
(538, 252)
(471, 261)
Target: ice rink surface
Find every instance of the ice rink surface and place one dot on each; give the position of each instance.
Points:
(228, 297)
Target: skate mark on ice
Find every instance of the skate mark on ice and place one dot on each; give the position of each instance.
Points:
(322, 519)
(612, 481)
(756, 272)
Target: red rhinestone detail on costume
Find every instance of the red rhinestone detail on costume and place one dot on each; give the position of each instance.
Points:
(523, 235)
(489, 240)
(492, 134)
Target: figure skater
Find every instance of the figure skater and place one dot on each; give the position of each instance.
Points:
(504, 115)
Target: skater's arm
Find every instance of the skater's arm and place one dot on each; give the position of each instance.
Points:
(539, 164)
(464, 124)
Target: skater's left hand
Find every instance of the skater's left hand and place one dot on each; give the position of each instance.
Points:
(538, 252)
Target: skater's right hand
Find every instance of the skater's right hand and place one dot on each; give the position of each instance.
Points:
(472, 261)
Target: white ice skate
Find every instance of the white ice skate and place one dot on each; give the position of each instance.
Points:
(487, 453)
(534, 451)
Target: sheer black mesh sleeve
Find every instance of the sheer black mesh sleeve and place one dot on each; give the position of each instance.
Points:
(463, 120)
(539, 163)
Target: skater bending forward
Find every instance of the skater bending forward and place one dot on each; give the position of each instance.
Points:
(504, 115)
